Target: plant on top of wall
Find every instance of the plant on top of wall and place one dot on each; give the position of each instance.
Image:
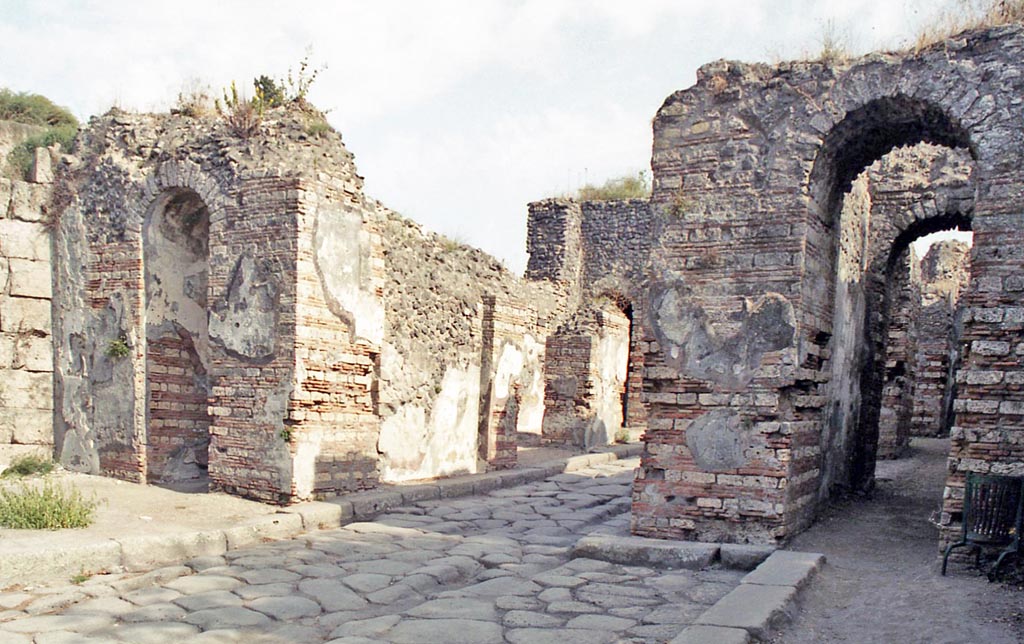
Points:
(34, 109)
(627, 187)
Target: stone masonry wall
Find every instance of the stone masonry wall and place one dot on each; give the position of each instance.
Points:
(750, 168)
(26, 350)
(944, 274)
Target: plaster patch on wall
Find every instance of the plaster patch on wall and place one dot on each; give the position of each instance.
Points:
(343, 263)
(244, 322)
(695, 348)
(531, 392)
(718, 440)
(413, 446)
(507, 371)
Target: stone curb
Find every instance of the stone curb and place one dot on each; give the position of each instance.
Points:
(662, 553)
(147, 551)
(764, 601)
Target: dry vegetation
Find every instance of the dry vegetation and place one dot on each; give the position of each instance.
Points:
(970, 14)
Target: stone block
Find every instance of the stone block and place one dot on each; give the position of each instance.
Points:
(5, 272)
(786, 568)
(316, 515)
(26, 390)
(743, 556)
(27, 200)
(5, 197)
(52, 563)
(146, 551)
(24, 240)
(709, 634)
(29, 278)
(366, 505)
(33, 353)
(416, 493)
(24, 315)
(756, 609)
(7, 344)
(456, 486)
(640, 551)
(42, 166)
(269, 526)
(27, 426)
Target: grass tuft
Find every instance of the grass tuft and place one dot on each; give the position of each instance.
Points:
(27, 466)
(48, 507)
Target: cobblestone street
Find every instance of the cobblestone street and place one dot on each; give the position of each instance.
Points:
(488, 568)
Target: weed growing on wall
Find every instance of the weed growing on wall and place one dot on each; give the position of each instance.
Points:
(33, 109)
(118, 349)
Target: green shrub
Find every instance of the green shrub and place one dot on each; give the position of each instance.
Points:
(118, 348)
(33, 109)
(28, 465)
(628, 187)
(21, 157)
(48, 507)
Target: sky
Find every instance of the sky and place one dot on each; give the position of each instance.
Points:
(458, 113)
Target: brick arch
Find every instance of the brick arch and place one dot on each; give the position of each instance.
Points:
(753, 156)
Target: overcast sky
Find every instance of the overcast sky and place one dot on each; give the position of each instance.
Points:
(458, 113)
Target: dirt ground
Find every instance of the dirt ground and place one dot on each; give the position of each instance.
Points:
(882, 583)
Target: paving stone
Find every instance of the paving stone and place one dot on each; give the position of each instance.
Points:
(502, 586)
(155, 632)
(573, 607)
(70, 637)
(368, 627)
(393, 594)
(101, 606)
(229, 616)
(600, 622)
(286, 608)
(752, 607)
(200, 564)
(202, 584)
(557, 636)
(47, 623)
(212, 599)
(332, 595)
(269, 576)
(50, 603)
(530, 619)
(14, 599)
(717, 634)
(155, 613)
(265, 590)
(555, 595)
(147, 596)
(461, 608)
(365, 582)
(450, 631)
(518, 603)
(658, 632)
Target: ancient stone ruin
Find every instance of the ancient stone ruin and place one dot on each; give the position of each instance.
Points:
(236, 308)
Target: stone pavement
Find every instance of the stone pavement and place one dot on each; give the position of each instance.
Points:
(486, 568)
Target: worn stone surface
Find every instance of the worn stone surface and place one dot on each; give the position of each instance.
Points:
(474, 569)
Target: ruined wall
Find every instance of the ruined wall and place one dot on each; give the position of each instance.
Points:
(600, 248)
(899, 377)
(279, 428)
(26, 353)
(462, 360)
(586, 378)
(944, 274)
(739, 322)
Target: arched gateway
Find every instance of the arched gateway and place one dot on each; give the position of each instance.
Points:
(751, 166)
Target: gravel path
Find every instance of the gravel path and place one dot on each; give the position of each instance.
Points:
(881, 582)
(490, 568)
